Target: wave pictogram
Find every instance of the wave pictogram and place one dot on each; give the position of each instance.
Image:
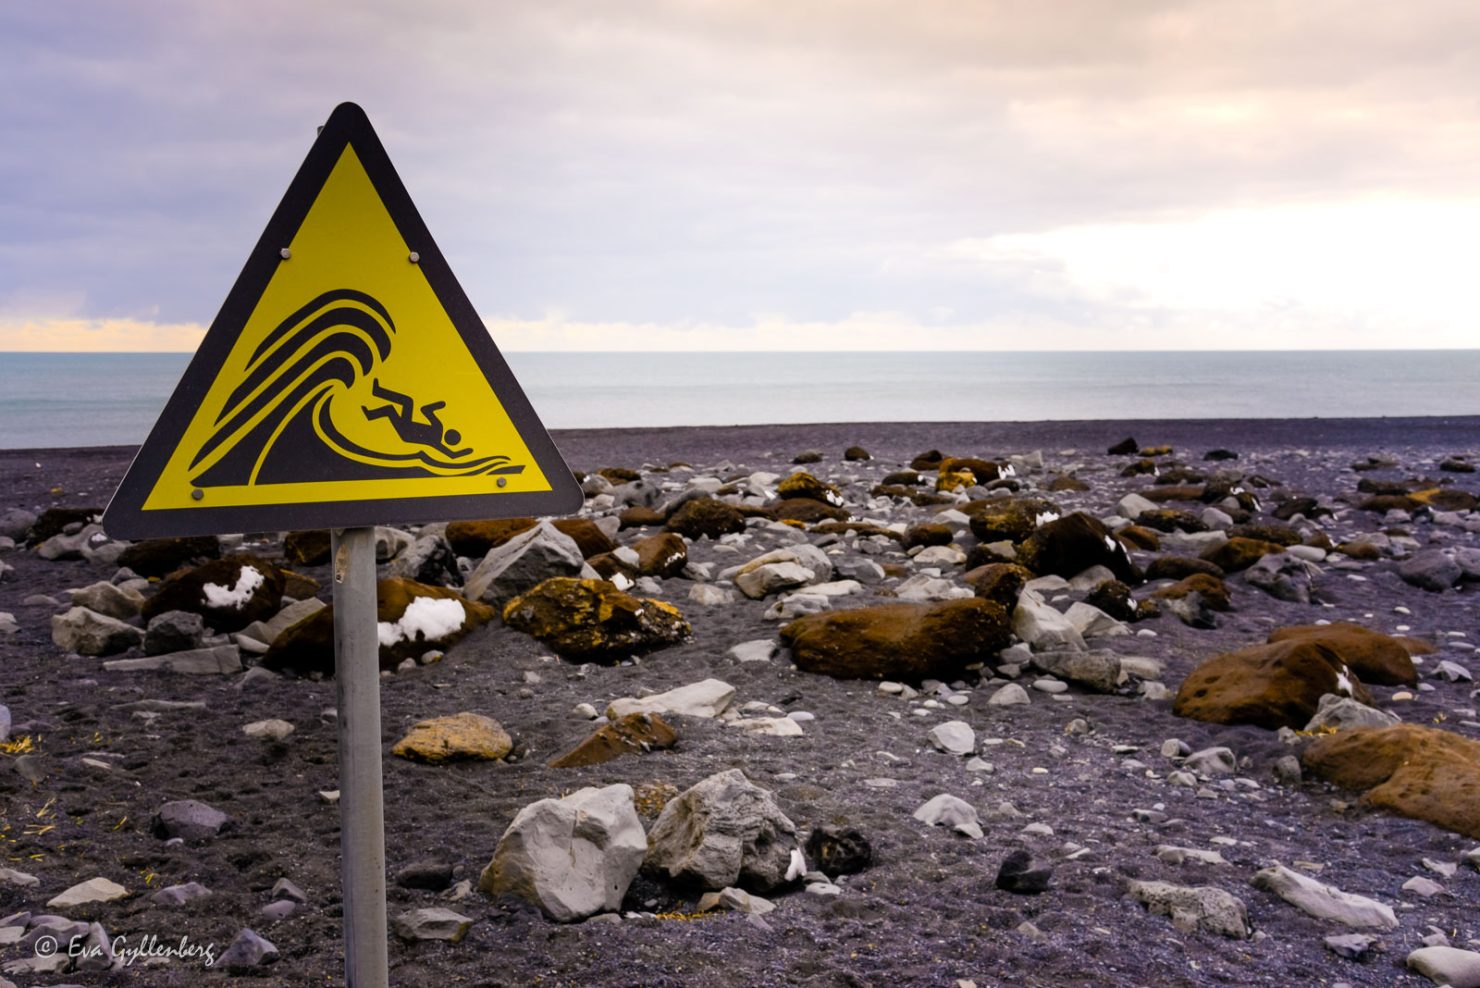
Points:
(279, 425)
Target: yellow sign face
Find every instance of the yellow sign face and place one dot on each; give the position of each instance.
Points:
(346, 373)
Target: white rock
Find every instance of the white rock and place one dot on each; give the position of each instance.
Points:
(1011, 695)
(780, 727)
(946, 810)
(1042, 627)
(954, 737)
(708, 698)
(268, 730)
(1325, 901)
(1447, 966)
(757, 650)
(85, 893)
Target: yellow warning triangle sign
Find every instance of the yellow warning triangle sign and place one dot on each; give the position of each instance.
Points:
(347, 380)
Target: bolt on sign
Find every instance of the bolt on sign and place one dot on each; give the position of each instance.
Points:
(347, 380)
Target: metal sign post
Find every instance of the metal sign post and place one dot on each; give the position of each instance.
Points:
(361, 804)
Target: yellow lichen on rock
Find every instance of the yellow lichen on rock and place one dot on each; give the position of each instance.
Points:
(461, 736)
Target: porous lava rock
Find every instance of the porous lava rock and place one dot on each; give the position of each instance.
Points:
(1419, 772)
(1372, 655)
(1270, 685)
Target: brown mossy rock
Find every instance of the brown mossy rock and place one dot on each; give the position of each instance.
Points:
(1180, 474)
(1372, 655)
(630, 735)
(1180, 567)
(1140, 468)
(609, 566)
(1139, 537)
(593, 621)
(1072, 544)
(803, 485)
(928, 460)
(928, 534)
(1418, 772)
(985, 471)
(1066, 483)
(1155, 451)
(1114, 598)
(1007, 519)
(1171, 520)
(640, 517)
(663, 555)
(860, 528)
(53, 521)
(856, 454)
(307, 548)
(307, 647)
(999, 582)
(161, 557)
(475, 538)
(1271, 685)
(903, 478)
(461, 737)
(806, 510)
(918, 498)
(1214, 592)
(1239, 554)
(807, 456)
(1383, 503)
(907, 642)
(224, 592)
(1364, 551)
(1175, 492)
(1266, 531)
(705, 518)
(298, 586)
(954, 480)
(620, 475)
(1445, 499)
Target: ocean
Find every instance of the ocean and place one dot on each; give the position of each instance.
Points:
(104, 399)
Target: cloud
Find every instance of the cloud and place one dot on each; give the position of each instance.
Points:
(98, 335)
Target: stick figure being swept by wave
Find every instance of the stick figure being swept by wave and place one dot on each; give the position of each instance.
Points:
(429, 433)
(279, 425)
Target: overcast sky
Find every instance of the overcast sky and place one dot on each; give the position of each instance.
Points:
(802, 174)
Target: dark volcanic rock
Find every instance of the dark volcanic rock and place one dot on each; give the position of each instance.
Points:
(1000, 582)
(928, 534)
(54, 521)
(593, 621)
(1126, 447)
(806, 510)
(1419, 772)
(838, 851)
(161, 557)
(1272, 686)
(855, 454)
(1180, 567)
(1114, 598)
(228, 593)
(1073, 544)
(1022, 875)
(1237, 554)
(928, 460)
(308, 548)
(899, 641)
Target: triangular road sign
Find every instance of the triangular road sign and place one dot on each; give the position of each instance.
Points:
(347, 380)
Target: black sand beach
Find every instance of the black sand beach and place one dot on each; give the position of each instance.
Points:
(1078, 778)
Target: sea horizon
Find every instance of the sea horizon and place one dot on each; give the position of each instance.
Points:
(71, 399)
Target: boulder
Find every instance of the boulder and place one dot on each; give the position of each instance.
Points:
(109, 599)
(706, 699)
(1419, 772)
(89, 633)
(1431, 569)
(88, 893)
(461, 737)
(1041, 625)
(161, 557)
(1097, 670)
(1283, 576)
(221, 660)
(571, 857)
(593, 621)
(998, 582)
(1325, 901)
(1271, 685)
(1239, 553)
(705, 517)
(412, 619)
(1195, 907)
(428, 560)
(1372, 655)
(1180, 567)
(945, 810)
(723, 831)
(1071, 545)
(1444, 965)
(431, 923)
(662, 555)
(475, 539)
(524, 562)
(632, 734)
(899, 641)
(837, 851)
(803, 485)
(1009, 519)
(174, 631)
(228, 593)
(1340, 713)
(806, 510)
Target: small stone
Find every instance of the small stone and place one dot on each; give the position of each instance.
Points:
(284, 888)
(433, 923)
(1420, 886)
(188, 819)
(1010, 695)
(954, 737)
(839, 852)
(946, 810)
(1022, 875)
(1351, 946)
(178, 895)
(461, 736)
(248, 950)
(268, 730)
(92, 891)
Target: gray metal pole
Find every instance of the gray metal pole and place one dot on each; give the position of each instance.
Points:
(361, 804)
